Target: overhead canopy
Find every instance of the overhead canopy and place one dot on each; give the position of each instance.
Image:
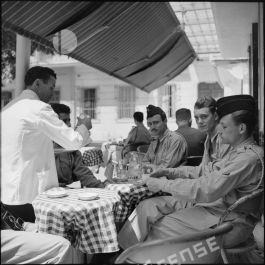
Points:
(140, 43)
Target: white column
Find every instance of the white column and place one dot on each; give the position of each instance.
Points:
(261, 71)
(23, 47)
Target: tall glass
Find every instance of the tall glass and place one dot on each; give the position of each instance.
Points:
(146, 169)
(134, 167)
(123, 168)
(120, 172)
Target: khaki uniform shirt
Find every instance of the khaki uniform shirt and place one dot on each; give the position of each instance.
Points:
(169, 150)
(223, 182)
(214, 150)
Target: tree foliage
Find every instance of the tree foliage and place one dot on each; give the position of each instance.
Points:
(8, 62)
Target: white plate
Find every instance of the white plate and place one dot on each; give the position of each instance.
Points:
(56, 193)
(88, 196)
(74, 185)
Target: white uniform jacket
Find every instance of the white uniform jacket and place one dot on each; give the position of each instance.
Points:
(27, 159)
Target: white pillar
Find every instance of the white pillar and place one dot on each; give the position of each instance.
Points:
(23, 47)
(261, 72)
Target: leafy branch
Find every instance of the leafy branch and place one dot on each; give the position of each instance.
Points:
(8, 62)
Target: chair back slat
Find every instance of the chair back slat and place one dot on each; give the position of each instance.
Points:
(194, 160)
(250, 204)
(201, 247)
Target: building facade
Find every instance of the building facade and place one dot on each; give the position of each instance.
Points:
(111, 102)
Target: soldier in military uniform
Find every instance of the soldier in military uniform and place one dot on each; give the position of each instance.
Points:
(138, 135)
(168, 149)
(207, 121)
(223, 182)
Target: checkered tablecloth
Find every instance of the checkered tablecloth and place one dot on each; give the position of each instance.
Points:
(130, 196)
(92, 157)
(88, 225)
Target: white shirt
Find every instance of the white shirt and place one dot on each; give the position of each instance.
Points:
(27, 161)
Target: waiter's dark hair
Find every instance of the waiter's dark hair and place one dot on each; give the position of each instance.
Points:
(38, 72)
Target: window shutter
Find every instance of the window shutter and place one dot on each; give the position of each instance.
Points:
(126, 101)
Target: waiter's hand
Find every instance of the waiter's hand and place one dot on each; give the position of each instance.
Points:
(86, 120)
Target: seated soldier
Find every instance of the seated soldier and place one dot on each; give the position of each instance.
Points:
(222, 183)
(69, 165)
(208, 122)
(168, 149)
(194, 137)
(138, 135)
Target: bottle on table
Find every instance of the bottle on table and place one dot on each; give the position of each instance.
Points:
(134, 167)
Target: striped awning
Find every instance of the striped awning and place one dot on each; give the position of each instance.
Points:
(140, 43)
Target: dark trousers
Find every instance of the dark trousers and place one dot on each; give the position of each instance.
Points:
(24, 211)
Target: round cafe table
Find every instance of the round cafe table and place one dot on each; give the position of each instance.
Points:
(88, 225)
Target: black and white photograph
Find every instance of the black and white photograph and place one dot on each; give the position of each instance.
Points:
(132, 132)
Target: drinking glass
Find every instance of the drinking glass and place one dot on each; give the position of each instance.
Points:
(146, 169)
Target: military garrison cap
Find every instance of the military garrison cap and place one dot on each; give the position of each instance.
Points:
(153, 110)
(227, 105)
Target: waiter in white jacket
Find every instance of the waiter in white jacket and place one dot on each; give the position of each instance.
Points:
(29, 127)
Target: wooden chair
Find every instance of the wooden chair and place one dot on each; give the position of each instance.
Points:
(199, 247)
(127, 149)
(141, 151)
(251, 201)
(142, 148)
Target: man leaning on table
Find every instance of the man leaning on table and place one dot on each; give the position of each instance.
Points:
(168, 149)
(223, 182)
(29, 127)
(69, 165)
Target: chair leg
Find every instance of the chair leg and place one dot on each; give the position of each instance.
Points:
(223, 255)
